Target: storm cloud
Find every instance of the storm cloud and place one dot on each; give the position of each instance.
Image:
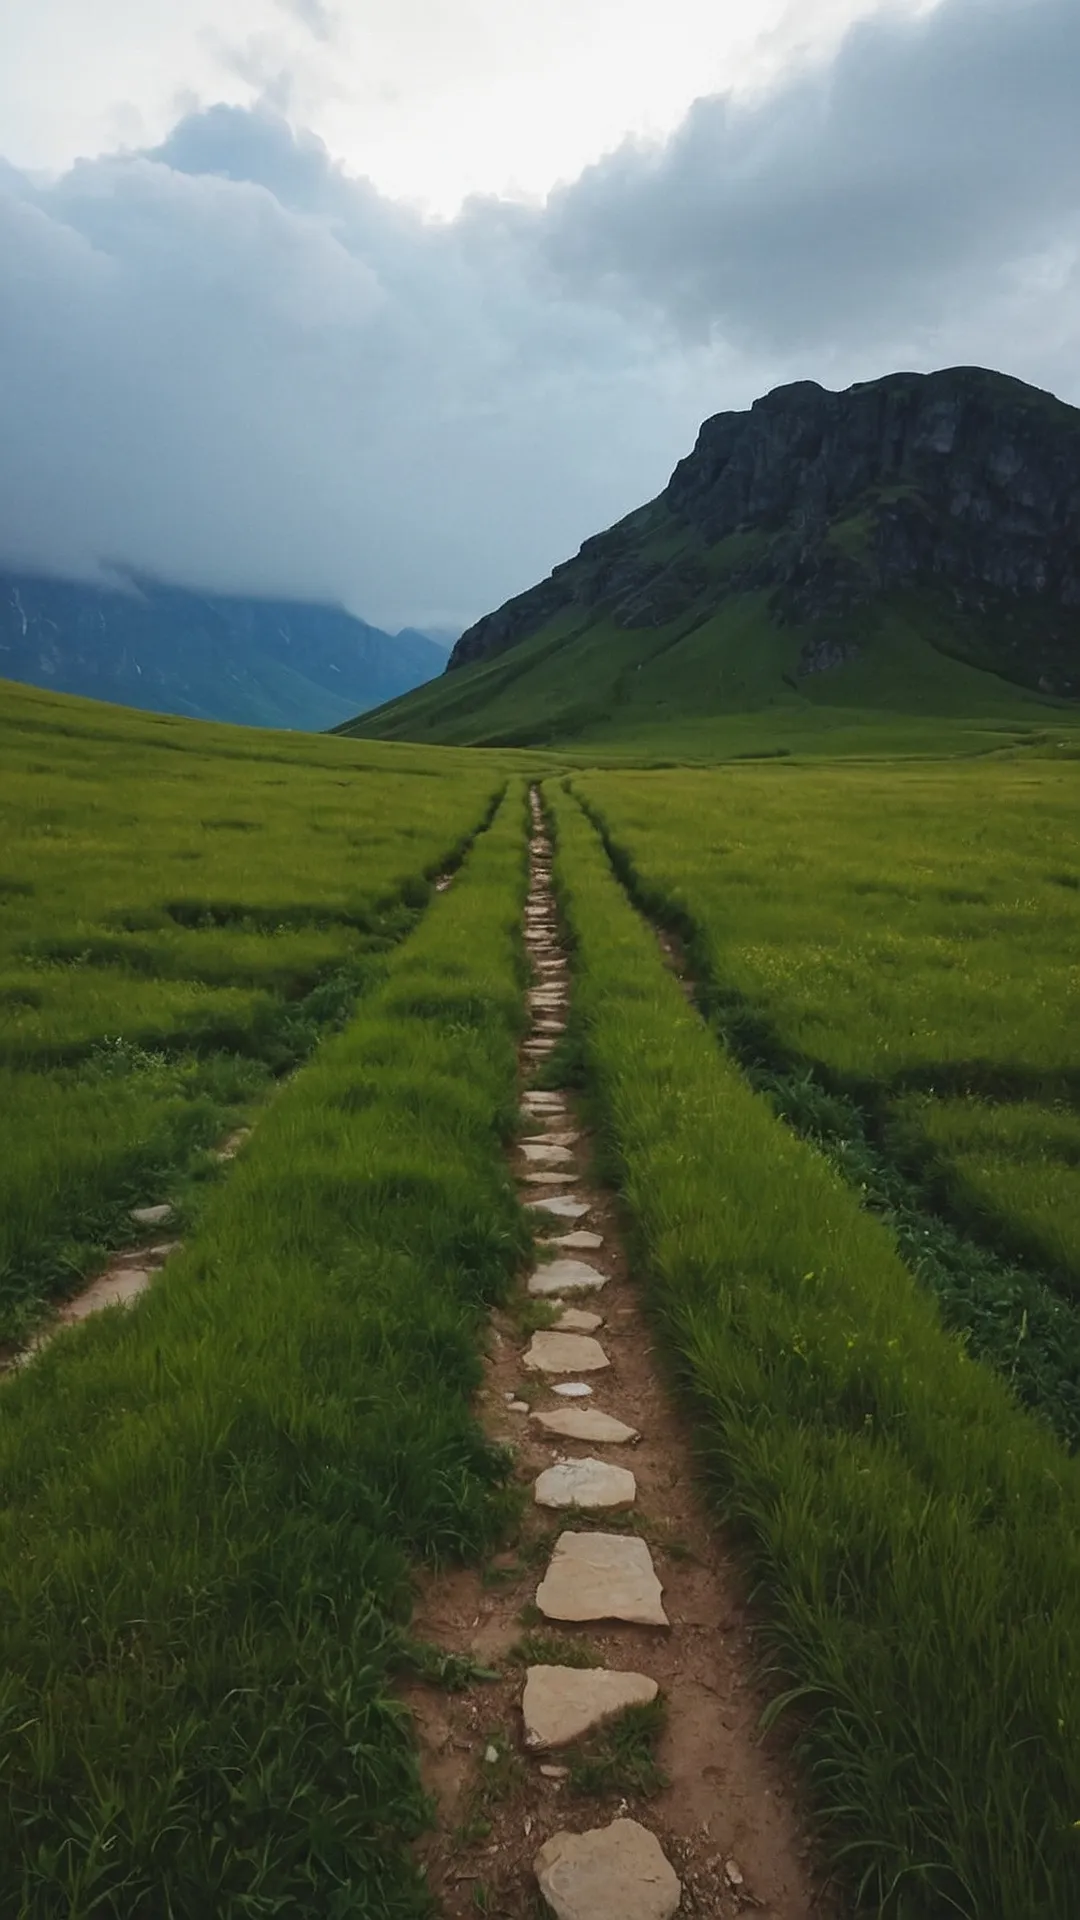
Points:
(226, 361)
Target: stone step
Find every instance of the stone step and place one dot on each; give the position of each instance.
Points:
(588, 1424)
(564, 1353)
(566, 1276)
(580, 1240)
(560, 1704)
(577, 1320)
(560, 1207)
(542, 1179)
(546, 1153)
(153, 1216)
(590, 1485)
(602, 1576)
(618, 1872)
(544, 1097)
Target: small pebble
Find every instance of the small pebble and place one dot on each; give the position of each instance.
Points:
(555, 1773)
(573, 1389)
(491, 1755)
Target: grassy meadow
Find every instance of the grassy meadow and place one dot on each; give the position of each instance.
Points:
(891, 952)
(914, 1535)
(183, 910)
(853, 1195)
(211, 1503)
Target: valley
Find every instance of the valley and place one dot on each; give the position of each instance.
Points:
(794, 1038)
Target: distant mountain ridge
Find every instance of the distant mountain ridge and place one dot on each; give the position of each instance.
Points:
(280, 663)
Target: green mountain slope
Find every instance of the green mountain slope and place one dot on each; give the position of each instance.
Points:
(909, 549)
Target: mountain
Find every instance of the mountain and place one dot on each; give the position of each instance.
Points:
(910, 544)
(270, 663)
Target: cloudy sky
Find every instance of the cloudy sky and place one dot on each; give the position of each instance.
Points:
(393, 305)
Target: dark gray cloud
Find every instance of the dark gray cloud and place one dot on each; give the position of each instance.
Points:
(917, 172)
(229, 362)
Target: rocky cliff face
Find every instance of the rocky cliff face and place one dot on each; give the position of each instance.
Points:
(963, 483)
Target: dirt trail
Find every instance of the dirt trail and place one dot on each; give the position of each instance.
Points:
(727, 1819)
(132, 1269)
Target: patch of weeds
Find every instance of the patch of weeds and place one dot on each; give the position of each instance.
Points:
(529, 1314)
(537, 1550)
(530, 1615)
(621, 1756)
(471, 1831)
(439, 1667)
(530, 1391)
(541, 1649)
(499, 1778)
(502, 1571)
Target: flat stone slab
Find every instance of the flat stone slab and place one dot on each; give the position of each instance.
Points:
(589, 1484)
(561, 1703)
(610, 1873)
(588, 1424)
(152, 1216)
(577, 1320)
(563, 1179)
(549, 1026)
(580, 1239)
(561, 1207)
(545, 1153)
(564, 1353)
(573, 1389)
(566, 1276)
(602, 1576)
(545, 1097)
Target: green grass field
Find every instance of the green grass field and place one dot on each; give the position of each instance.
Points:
(903, 938)
(853, 1190)
(184, 910)
(915, 1537)
(211, 1503)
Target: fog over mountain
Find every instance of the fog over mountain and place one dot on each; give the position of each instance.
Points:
(230, 365)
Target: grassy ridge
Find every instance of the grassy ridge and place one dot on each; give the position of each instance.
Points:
(183, 909)
(916, 1538)
(212, 1501)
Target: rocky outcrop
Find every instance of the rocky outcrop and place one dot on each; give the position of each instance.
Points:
(964, 481)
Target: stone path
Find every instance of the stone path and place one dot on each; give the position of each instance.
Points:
(630, 1571)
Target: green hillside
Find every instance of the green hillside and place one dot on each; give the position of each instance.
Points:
(721, 685)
